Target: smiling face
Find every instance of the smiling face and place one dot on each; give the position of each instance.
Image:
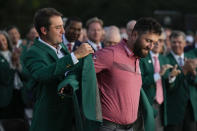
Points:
(3, 43)
(178, 44)
(73, 31)
(144, 43)
(55, 31)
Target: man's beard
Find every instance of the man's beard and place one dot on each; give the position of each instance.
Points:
(138, 49)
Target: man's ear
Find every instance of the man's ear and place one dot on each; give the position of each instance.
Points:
(43, 30)
(134, 35)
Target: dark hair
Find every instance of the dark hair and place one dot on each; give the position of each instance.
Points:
(42, 17)
(147, 24)
(10, 27)
(176, 34)
(69, 20)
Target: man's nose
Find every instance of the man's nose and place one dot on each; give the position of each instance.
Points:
(150, 46)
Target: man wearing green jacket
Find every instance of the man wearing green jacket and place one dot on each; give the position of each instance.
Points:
(181, 98)
(49, 64)
(154, 76)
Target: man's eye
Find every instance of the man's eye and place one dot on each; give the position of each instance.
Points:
(149, 41)
(58, 27)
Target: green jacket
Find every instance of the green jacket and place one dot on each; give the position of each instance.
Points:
(85, 96)
(147, 112)
(51, 112)
(148, 83)
(7, 82)
(179, 95)
(192, 82)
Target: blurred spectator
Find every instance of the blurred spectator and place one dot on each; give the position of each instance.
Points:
(189, 38)
(162, 40)
(11, 103)
(167, 44)
(83, 36)
(95, 33)
(32, 34)
(192, 46)
(130, 26)
(112, 36)
(73, 27)
(15, 36)
(181, 99)
(123, 33)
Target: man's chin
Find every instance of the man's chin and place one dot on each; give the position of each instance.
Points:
(143, 54)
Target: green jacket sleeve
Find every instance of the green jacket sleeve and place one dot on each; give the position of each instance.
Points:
(40, 70)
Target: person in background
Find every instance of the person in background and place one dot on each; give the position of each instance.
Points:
(180, 98)
(11, 100)
(112, 36)
(15, 36)
(155, 78)
(83, 36)
(73, 27)
(94, 28)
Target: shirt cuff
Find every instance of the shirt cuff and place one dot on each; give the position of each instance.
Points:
(171, 79)
(74, 58)
(156, 77)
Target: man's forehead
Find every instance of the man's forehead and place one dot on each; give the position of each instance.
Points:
(151, 36)
(56, 20)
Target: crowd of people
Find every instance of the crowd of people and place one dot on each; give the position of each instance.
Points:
(71, 76)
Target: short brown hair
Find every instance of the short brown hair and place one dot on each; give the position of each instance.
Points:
(94, 20)
(42, 17)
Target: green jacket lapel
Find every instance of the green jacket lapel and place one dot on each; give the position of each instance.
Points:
(46, 48)
(150, 63)
(64, 48)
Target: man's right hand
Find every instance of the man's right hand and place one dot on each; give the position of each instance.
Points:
(83, 50)
(175, 71)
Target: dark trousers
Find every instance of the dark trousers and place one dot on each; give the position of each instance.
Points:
(188, 124)
(159, 118)
(110, 126)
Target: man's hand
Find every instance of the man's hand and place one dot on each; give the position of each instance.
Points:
(66, 90)
(164, 68)
(175, 71)
(83, 50)
(190, 66)
(16, 57)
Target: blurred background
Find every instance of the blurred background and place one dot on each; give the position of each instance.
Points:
(176, 14)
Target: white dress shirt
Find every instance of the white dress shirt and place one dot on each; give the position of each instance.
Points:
(58, 52)
(156, 75)
(94, 45)
(65, 41)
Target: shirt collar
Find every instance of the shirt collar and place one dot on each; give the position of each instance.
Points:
(153, 54)
(19, 43)
(50, 46)
(128, 51)
(177, 57)
(94, 45)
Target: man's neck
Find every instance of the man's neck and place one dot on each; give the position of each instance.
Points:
(48, 42)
